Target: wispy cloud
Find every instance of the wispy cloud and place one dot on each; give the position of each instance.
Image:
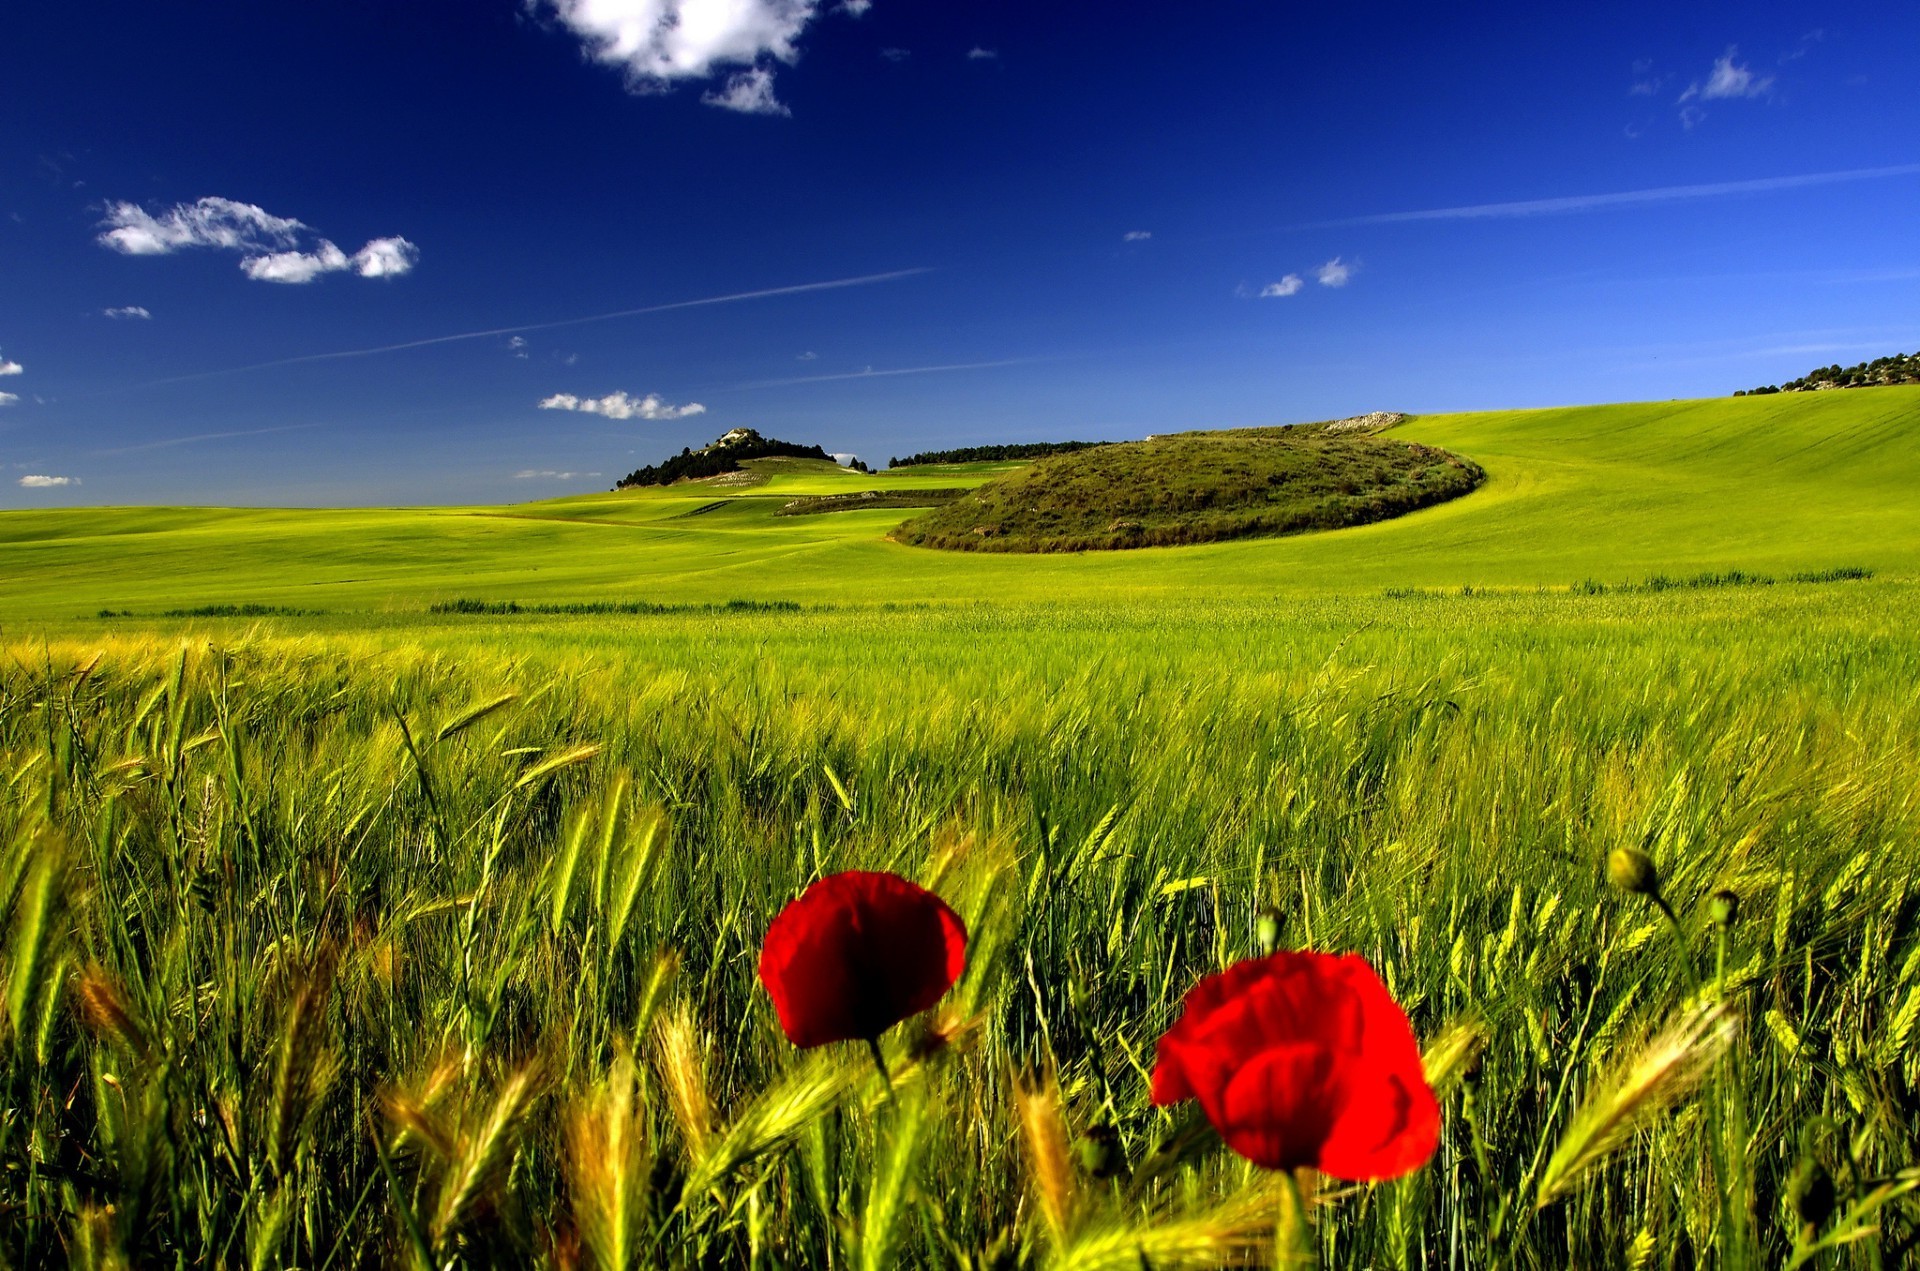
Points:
(853, 8)
(11, 368)
(1136, 236)
(276, 248)
(1625, 198)
(1288, 286)
(835, 284)
(1335, 273)
(208, 222)
(35, 481)
(750, 92)
(9, 399)
(871, 374)
(1804, 46)
(621, 406)
(1645, 83)
(978, 54)
(808, 356)
(128, 311)
(657, 43)
(167, 443)
(1729, 79)
(896, 55)
(548, 474)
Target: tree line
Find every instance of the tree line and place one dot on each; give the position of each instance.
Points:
(1898, 368)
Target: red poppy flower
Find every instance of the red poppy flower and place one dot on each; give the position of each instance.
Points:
(856, 954)
(1303, 1060)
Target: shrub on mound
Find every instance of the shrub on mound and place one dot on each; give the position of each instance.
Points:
(1197, 488)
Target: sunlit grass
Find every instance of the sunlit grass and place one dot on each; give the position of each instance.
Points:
(430, 940)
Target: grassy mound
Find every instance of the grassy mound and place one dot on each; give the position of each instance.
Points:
(1197, 488)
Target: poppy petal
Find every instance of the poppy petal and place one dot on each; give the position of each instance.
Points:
(1386, 1126)
(1278, 1106)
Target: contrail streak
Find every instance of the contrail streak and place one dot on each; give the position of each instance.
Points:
(1625, 198)
(831, 285)
(871, 374)
(205, 436)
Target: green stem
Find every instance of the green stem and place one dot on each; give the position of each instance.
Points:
(1294, 1239)
(1679, 938)
(880, 1062)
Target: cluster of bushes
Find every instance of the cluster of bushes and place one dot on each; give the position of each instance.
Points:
(221, 611)
(495, 608)
(1899, 368)
(994, 454)
(723, 456)
(1657, 583)
(810, 505)
(1196, 488)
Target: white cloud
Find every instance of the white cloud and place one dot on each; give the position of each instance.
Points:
(750, 92)
(808, 356)
(896, 55)
(548, 474)
(9, 399)
(272, 243)
(1290, 285)
(853, 8)
(386, 258)
(656, 42)
(34, 481)
(296, 267)
(978, 54)
(381, 258)
(127, 311)
(1334, 273)
(1136, 236)
(1729, 80)
(620, 406)
(209, 222)
(11, 368)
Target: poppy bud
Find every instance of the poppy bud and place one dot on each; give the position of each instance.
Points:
(1266, 930)
(1811, 1193)
(1724, 908)
(1632, 870)
(1100, 1152)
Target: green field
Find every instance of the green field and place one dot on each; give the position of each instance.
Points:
(1770, 484)
(390, 937)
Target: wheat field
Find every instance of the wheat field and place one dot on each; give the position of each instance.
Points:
(430, 942)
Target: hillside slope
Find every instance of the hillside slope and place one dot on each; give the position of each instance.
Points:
(1771, 484)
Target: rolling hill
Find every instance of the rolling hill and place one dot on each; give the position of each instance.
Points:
(1771, 484)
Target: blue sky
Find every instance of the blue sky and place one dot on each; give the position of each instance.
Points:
(915, 225)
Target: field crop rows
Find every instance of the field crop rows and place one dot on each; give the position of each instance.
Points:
(430, 941)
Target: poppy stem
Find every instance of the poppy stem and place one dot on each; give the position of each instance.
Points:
(1295, 1237)
(880, 1062)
